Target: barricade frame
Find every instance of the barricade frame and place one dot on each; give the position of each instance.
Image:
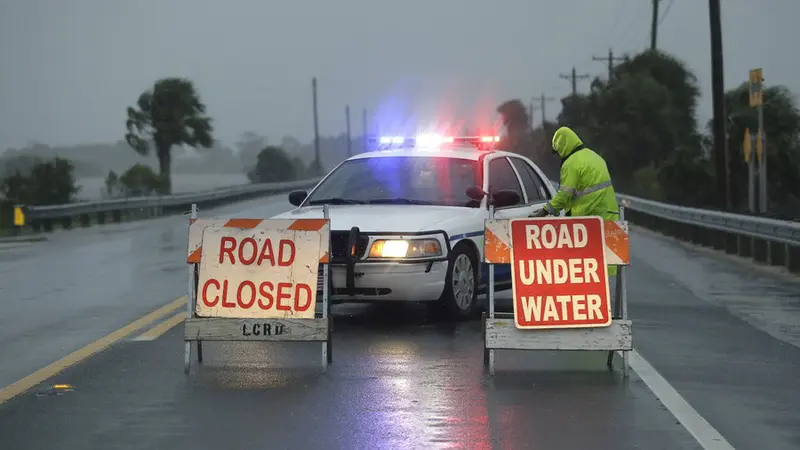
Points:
(318, 329)
(500, 332)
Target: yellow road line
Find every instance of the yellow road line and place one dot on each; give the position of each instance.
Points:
(22, 385)
(163, 327)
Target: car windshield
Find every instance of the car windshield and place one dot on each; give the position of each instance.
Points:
(420, 180)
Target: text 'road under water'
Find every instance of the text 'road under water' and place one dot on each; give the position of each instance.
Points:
(559, 273)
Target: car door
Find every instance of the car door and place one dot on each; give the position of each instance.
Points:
(500, 175)
(536, 192)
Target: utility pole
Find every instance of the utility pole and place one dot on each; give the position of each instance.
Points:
(654, 26)
(610, 58)
(542, 101)
(530, 114)
(349, 137)
(317, 163)
(721, 157)
(364, 127)
(574, 79)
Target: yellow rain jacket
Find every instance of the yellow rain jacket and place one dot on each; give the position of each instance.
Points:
(585, 186)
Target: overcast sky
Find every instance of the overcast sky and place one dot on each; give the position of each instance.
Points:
(69, 68)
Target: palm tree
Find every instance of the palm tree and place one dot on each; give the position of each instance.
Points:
(170, 114)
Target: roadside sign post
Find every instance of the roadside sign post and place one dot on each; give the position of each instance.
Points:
(749, 158)
(257, 280)
(19, 216)
(756, 90)
(560, 286)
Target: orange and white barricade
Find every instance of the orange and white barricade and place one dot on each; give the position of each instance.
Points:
(257, 280)
(560, 286)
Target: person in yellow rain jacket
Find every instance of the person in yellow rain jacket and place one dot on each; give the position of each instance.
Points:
(585, 186)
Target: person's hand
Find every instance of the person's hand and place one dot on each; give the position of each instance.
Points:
(541, 213)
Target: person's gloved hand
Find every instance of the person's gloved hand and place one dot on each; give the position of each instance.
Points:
(541, 213)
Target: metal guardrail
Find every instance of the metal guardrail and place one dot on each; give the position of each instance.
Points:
(775, 242)
(52, 212)
(762, 238)
(776, 231)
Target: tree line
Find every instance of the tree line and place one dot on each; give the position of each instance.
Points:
(644, 122)
(168, 117)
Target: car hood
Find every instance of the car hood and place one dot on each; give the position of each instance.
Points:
(385, 218)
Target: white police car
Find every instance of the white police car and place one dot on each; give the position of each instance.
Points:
(407, 220)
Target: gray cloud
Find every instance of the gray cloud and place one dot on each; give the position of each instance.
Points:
(69, 68)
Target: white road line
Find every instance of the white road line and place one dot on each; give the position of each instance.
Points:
(702, 431)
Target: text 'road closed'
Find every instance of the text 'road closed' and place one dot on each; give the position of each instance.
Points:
(258, 273)
(559, 273)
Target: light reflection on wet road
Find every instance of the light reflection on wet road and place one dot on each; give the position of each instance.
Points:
(400, 378)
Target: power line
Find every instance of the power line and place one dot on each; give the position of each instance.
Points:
(543, 100)
(610, 59)
(574, 79)
(666, 11)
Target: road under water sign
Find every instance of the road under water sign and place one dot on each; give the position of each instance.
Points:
(560, 286)
(559, 273)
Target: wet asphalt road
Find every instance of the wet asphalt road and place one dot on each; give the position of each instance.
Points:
(724, 334)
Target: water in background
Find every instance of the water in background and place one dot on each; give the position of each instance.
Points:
(93, 188)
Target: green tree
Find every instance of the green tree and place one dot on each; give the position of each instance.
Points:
(168, 115)
(250, 145)
(112, 184)
(273, 165)
(638, 120)
(47, 183)
(515, 119)
(140, 180)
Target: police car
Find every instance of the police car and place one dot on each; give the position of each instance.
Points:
(407, 219)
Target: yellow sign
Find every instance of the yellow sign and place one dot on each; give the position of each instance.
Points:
(19, 217)
(759, 145)
(756, 87)
(747, 146)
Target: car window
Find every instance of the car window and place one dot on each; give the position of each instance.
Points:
(534, 186)
(502, 176)
(401, 180)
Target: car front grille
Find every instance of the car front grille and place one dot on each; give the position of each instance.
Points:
(339, 246)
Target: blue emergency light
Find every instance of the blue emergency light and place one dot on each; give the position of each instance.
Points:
(433, 141)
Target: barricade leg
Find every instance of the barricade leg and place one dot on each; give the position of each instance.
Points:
(325, 345)
(187, 351)
(199, 343)
(624, 301)
(485, 349)
(190, 290)
(617, 314)
(491, 315)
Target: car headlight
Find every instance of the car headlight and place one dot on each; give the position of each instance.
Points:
(405, 248)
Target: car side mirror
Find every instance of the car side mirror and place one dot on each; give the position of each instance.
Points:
(297, 197)
(475, 193)
(505, 197)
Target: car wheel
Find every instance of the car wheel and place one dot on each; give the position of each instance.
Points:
(460, 296)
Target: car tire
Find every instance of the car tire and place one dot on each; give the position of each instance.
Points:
(460, 296)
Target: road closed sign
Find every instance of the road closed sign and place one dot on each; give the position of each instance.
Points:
(559, 275)
(259, 273)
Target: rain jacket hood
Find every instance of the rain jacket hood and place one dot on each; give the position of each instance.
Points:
(565, 141)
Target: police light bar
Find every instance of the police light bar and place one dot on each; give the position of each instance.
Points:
(433, 140)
